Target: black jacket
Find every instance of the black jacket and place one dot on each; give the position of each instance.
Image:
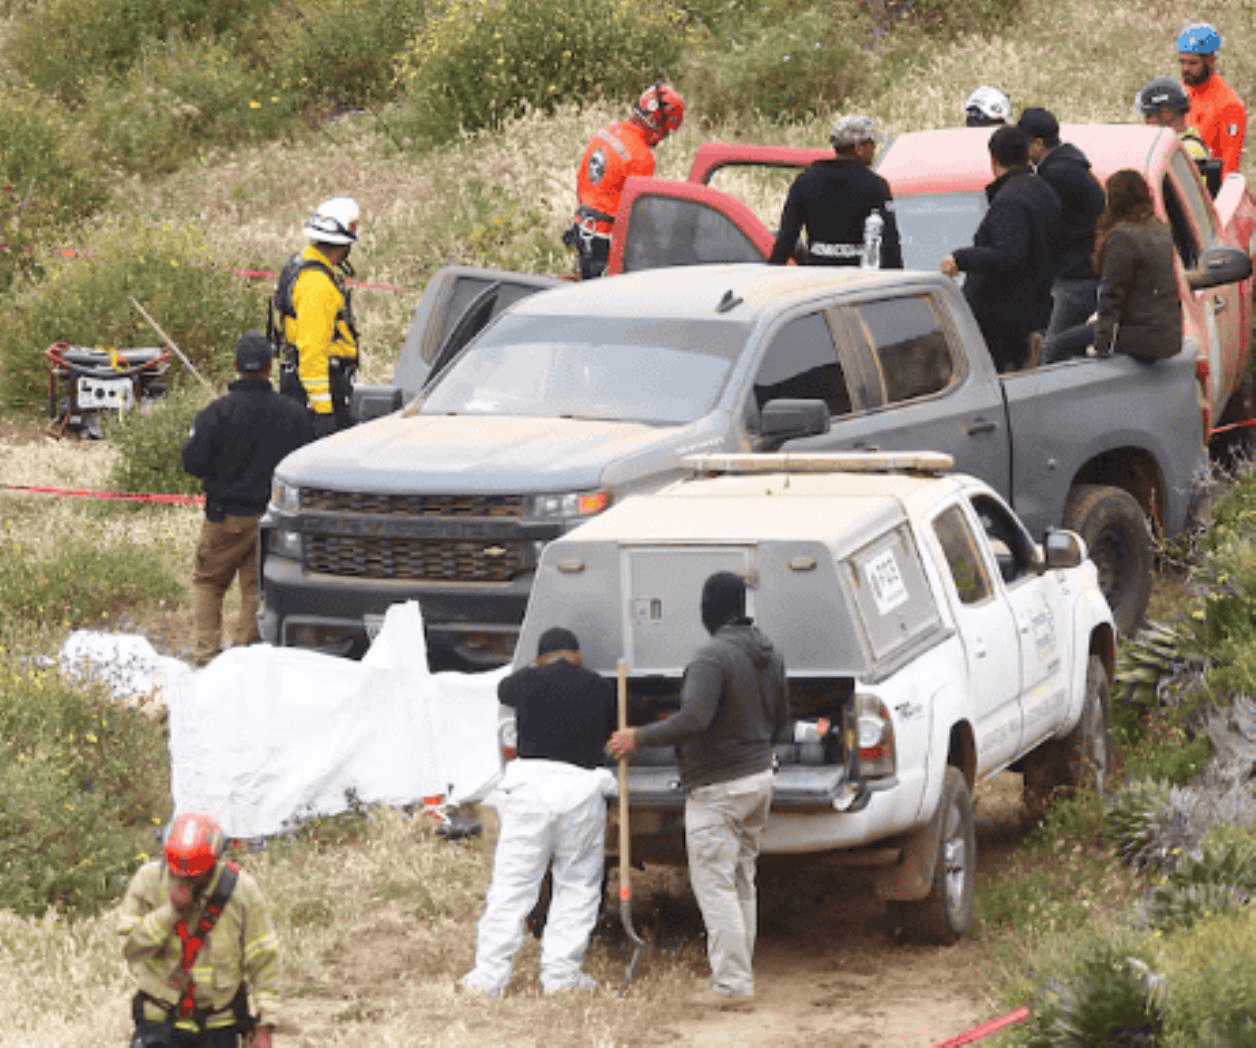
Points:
(1138, 293)
(831, 198)
(1067, 171)
(1013, 260)
(237, 441)
(734, 702)
(562, 712)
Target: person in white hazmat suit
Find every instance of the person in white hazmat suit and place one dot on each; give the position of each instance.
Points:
(552, 809)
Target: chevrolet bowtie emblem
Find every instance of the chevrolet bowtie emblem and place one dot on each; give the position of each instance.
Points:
(495, 551)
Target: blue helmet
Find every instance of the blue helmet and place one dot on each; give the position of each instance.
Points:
(1199, 38)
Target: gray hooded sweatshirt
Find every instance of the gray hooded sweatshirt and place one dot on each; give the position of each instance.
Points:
(734, 703)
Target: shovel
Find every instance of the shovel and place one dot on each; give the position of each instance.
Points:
(625, 839)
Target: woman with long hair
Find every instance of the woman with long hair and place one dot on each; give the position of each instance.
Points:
(1139, 310)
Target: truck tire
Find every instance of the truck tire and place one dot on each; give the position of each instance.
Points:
(1120, 543)
(1084, 758)
(946, 912)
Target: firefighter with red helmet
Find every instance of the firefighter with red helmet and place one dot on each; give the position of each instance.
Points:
(198, 937)
(614, 153)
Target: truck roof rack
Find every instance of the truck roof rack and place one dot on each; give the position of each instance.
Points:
(929, 463)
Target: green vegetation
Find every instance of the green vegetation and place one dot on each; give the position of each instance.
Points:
(84, 784)
(149, 445)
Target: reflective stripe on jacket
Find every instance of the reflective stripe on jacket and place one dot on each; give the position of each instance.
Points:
(241, 948)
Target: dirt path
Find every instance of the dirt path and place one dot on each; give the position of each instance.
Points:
(827, 973)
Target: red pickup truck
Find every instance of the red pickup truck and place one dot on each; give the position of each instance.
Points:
(938, 178)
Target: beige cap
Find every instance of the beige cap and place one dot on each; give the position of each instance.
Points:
(851, 130)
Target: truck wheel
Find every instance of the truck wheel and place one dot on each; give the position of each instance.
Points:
(946, 912)
(1119, 540)
(1084, 758)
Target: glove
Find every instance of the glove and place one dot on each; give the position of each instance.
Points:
(571, 236)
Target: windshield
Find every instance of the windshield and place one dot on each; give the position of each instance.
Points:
(614, 368)
(932, 225)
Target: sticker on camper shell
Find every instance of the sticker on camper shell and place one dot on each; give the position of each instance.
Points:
(886, 581)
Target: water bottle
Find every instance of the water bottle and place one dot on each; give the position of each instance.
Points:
(873, 225)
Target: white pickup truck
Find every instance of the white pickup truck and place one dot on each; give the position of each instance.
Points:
(912, 608)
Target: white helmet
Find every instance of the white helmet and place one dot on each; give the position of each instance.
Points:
(986, 106)
(334, 221)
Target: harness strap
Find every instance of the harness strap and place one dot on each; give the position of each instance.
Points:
(193, 941)
(591, 212)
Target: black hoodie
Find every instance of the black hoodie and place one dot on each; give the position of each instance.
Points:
(1066, 170)
(734, 703)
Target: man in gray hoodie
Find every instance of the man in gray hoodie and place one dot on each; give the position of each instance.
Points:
(734, 704)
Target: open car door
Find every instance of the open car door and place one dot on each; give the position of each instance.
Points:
(664, 222)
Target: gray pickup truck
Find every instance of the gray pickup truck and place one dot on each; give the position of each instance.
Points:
(578, 396)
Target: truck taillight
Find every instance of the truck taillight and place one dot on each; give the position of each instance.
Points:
(874, 731)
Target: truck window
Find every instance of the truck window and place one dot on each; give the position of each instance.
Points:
(1013, 548)
(909, 347)
(669, 231)
(959, 546)
(891, 593)
(801, 363)
(1188, 180)
(1179, 224)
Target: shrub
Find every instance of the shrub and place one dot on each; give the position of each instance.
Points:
(808, 64)
(478, 63)
(46, 181)
(343, 50)
(1105, 999)
(176, 101)
(168, 269)
(1222, 878)
(80, 583)
(1211, 983)
(945, 18)
(150, 441)
(84, 780)
(60, 45)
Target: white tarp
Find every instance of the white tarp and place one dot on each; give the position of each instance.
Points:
(126, 663)
(263, 736)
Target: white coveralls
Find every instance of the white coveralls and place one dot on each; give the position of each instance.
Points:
(548, 810)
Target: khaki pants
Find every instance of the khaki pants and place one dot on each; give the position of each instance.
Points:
(723, 826)
(226, 550)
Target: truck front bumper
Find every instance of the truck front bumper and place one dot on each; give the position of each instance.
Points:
(467, 626)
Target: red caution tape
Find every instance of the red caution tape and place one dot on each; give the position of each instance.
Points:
(979, 1033)
(116, 496)
(257, 274)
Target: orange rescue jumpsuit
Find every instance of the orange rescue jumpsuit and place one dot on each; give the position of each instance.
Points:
(614, 153)
(1221, 118)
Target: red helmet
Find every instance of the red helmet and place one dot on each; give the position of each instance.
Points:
(193, 844)
(661, 109)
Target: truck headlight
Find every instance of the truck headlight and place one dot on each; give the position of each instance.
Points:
(285, 497)
(285, 542)
(567, 505)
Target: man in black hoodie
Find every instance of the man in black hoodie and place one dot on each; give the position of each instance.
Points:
(1013, 260)
(1067, 171)
(734, 704)
(234, 446)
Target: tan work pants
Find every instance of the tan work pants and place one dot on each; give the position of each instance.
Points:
(723, 826)
(226, 550)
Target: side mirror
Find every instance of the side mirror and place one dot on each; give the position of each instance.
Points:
(1063, 549)
(785, 419)
(1218, 266)
(374, 402)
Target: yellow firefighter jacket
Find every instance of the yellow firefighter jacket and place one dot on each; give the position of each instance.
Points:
(241, 948)
(321, 329)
